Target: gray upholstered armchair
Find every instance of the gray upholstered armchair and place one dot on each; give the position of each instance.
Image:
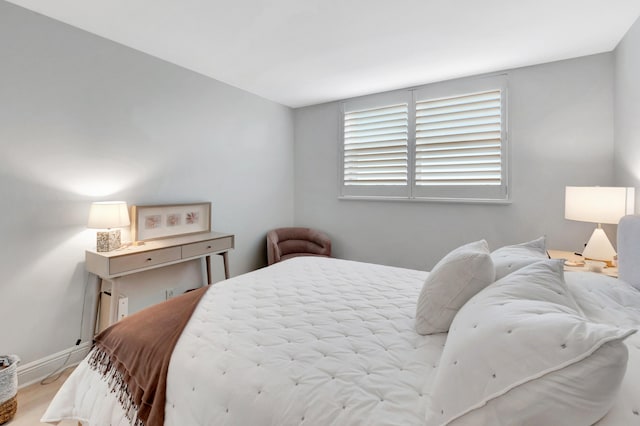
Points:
(285, 243)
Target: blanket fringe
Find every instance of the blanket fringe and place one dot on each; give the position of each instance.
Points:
(101, 361)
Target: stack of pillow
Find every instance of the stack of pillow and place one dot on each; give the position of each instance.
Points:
(519, 349)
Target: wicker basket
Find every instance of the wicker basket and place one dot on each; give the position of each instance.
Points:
(9, 390)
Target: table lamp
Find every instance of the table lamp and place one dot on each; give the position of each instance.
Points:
(598, 204)
(107, 215)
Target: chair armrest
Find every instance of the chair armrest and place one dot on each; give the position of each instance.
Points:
(322, 240)
(273, 251)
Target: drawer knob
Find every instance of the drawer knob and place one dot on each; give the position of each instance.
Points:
(149, 259)
(208, 247)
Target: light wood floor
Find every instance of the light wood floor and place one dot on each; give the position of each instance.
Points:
(34, 399)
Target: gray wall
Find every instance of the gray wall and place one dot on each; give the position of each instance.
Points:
(561, 133)
(627, 111)
(85, 119)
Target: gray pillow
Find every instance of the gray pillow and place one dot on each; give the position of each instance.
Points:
(508, 259)
(451, 283)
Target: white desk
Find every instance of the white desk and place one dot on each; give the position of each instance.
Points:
(111, 266)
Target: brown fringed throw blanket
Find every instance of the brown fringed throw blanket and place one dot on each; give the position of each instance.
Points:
(134, 354)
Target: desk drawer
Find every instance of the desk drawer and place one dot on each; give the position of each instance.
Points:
(143, 260)
(204, 247)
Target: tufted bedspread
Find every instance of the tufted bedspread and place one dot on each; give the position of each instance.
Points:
(317, 341)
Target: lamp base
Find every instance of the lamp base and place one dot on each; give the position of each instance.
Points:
(599, 247)
(108, 241)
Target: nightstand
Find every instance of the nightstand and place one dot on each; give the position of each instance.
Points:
(611, 271)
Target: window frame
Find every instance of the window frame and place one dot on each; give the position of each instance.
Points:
(496, 194)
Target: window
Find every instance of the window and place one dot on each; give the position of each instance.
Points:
(442, 142)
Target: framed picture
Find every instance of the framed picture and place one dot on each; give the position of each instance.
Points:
(171, 220)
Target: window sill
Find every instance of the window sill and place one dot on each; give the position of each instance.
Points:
(427, 200)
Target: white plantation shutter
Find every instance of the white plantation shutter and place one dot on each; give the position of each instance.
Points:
(376, 156)
(375, 146)
(459, 141)
(444, 141)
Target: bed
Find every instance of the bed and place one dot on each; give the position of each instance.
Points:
(325, 341)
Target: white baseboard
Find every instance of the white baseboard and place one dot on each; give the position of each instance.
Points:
(41, 368)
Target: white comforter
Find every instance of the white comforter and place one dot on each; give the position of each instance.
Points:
(320, 341)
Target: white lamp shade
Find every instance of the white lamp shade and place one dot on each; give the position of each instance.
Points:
(598, 204)
(108, 214)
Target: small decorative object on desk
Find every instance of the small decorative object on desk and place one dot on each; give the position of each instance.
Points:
(8, 387)
(595, 265)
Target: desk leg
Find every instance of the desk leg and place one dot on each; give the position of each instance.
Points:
(113, 306)
(207, 261)
(225, 259)
(98, 296)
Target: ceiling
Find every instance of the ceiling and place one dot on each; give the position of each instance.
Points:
(304, 52)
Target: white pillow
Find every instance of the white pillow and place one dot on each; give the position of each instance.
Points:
(508, 259)
(454, 280)
(520, 353)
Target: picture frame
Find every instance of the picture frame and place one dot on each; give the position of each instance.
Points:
(153, 222)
